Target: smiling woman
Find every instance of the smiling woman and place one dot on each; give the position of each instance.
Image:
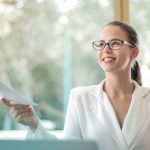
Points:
(106, 113)
(116, 43)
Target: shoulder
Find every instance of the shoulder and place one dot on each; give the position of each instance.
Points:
(141, 91)
(85, 90)
(84, 97)
(87, 93)
(145, 91)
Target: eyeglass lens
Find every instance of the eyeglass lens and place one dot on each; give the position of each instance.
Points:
(113, 44)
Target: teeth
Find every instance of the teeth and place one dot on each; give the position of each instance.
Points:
(108, 59)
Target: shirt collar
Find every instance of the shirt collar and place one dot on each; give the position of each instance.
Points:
(137, 88)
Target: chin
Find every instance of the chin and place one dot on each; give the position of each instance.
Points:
(107, 69)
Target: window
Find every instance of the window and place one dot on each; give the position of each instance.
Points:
(139, 14)
(45, 50)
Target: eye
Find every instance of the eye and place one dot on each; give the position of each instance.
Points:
(101, 44)
(116, 43)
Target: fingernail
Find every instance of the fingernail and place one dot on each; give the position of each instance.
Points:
(13, 106)
(29, 109)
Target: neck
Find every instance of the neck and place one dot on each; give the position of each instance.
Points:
(118, 85)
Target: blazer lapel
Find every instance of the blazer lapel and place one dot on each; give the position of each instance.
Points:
(137, 115)
(107, 117)
(112, 124)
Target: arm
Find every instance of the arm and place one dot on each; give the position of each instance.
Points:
(72, 128)
(25, 115)
(72, 125)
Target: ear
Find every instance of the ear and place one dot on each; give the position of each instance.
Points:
(134, 52)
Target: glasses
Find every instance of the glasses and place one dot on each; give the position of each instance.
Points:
(113, 44)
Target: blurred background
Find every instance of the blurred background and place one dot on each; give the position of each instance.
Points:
(45, 49)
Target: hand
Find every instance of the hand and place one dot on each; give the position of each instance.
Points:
(23, 114)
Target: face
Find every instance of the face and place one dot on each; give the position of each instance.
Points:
(115, 60)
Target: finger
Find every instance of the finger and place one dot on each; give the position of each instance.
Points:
(23, 116)
(20, 106)
(18, 110)
(27, 118)
(6, 102)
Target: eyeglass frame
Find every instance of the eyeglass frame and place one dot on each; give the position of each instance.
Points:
(108, 43)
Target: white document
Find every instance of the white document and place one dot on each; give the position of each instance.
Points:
(14, 96)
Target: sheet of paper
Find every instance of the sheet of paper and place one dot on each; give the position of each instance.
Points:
(14, 96)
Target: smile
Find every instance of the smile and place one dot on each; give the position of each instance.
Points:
(108, 59)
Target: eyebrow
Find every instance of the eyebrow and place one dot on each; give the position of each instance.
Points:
(116, 39)
(112, 40)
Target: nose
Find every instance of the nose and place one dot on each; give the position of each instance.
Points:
(107, 48)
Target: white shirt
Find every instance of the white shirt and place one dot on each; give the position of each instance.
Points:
(90, 115)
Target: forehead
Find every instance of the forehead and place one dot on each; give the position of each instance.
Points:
(111, 32)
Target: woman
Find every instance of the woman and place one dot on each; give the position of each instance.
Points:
(114, 113)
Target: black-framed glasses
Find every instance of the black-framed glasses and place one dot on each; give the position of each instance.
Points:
(113, 44)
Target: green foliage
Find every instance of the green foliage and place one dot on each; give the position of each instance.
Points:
(32, 56)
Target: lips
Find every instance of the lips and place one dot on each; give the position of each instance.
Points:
(108, 59)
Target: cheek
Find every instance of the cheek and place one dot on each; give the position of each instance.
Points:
(99, 56)
(125, 60)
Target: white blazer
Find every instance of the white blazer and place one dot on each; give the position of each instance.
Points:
(90, 115)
